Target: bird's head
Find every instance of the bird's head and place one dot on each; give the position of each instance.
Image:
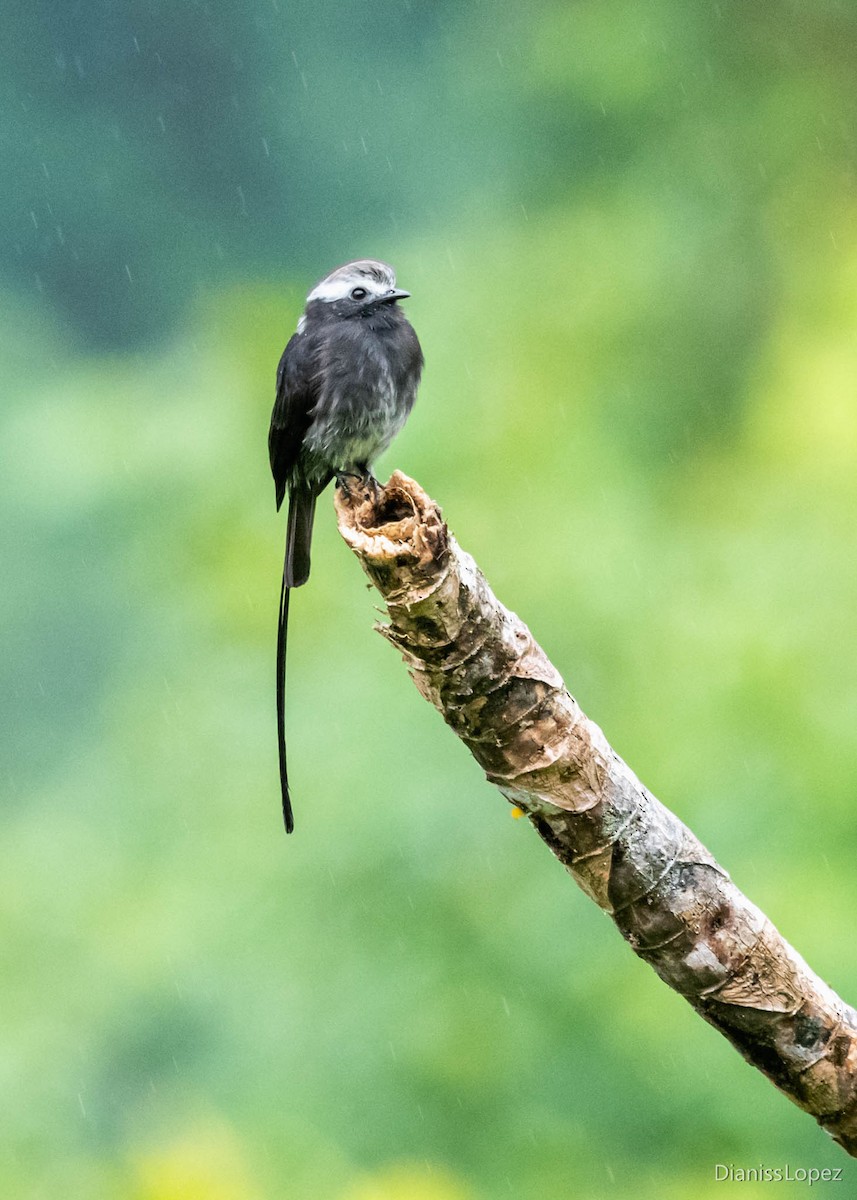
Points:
(357, 289)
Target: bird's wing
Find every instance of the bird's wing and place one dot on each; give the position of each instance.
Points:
(297, 392)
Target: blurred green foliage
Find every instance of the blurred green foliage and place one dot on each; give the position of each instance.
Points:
(629, 230)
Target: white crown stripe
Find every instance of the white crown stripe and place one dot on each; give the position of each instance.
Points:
(376, 277)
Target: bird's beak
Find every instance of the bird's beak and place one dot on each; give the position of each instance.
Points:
(393, 295)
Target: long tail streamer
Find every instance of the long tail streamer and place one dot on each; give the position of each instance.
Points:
(282, 633)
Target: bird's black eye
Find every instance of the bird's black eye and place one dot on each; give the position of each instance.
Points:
(358, 293)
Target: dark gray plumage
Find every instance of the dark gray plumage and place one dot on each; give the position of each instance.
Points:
(346, 382)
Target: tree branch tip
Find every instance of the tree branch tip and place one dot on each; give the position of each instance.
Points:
(392, 527)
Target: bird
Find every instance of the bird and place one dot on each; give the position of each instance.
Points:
(346, 382)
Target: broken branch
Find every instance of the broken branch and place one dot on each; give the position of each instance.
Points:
(675, 906)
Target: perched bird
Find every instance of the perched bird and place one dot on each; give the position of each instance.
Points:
(345, 385)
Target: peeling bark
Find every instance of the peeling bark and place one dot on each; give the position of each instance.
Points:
(675, 906)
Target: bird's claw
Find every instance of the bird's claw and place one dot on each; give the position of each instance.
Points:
(342, 480)
(366, 480)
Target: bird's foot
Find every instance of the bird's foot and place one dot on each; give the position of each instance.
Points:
(374, 487)
(366, 480)
(344, 480)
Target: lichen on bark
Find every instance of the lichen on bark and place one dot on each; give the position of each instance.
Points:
(479, 665)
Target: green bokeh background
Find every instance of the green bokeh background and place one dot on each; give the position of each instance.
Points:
(629, 231)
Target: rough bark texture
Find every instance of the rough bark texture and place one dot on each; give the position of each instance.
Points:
(676, 907)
